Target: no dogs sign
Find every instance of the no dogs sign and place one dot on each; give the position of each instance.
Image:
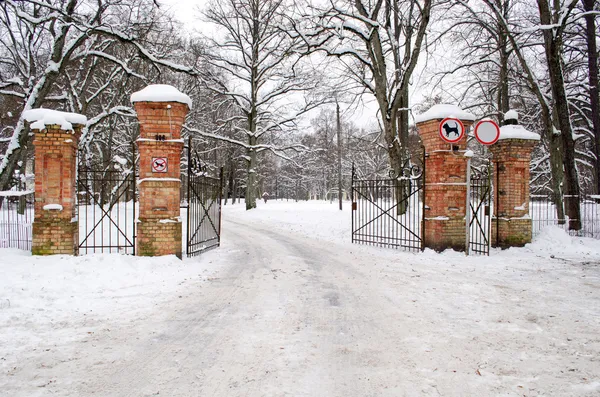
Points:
(452, 130)
(159, 164)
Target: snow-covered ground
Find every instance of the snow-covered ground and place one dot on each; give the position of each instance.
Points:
(288, 307)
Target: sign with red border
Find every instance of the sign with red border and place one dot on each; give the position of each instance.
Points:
(487, 132)
(451, 130)
(159, 164)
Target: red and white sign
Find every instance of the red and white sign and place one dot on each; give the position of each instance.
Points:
(452, 130)
(487, 132)
(159, 164)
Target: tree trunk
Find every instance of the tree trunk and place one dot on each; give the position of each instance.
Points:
(339, 155)
(590, 33)
(553, 49)
(557, 173)
(251, 182)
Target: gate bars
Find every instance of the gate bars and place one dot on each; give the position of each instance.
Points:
(204, 197)
(479, 213)
(389, 212)
(106, 209)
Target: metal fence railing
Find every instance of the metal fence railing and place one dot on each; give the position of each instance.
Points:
(543, 212)
(16, 219)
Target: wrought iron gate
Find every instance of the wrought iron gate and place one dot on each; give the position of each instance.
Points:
(204, 197)
(389, 212)
(106, 211)
(480, 213)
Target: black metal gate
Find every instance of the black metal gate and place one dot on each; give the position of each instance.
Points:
(204, 197)
(389, 212)
(106, 211)
(480, 188)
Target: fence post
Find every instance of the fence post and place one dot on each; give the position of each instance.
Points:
(161, 111)
(468, 209)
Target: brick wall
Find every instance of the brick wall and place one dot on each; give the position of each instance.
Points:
(445, 188)
(55, 231)
(511, 192)
(159, 228)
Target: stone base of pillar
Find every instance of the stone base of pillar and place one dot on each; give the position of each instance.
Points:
(156, 238)
(55, 236)
(441, 234)
(511, 232)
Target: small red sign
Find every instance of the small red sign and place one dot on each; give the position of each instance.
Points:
(452, 130)
(159, 164)
(487, 132)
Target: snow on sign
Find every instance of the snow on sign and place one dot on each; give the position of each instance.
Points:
(452, 130)
(487, 132)
(159, 164)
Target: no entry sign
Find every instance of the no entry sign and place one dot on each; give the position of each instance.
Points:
(159, 164)
(452, 130)
(487, 132)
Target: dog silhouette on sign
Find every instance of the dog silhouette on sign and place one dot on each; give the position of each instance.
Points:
(449, 130)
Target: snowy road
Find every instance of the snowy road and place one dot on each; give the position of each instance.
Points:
(289, 317)
(292, 309)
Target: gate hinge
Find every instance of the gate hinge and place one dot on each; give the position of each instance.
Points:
(354, 206)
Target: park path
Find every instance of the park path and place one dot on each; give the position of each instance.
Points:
(287, 307)
(290, 316)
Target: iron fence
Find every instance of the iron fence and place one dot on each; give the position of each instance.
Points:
(544, 213)
(16, 219)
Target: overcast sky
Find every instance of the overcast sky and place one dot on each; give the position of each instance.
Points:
(189, 13)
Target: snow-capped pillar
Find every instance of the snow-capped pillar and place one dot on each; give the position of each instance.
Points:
(55, 226)
(511, 225)
(161, 111)
(445, 179)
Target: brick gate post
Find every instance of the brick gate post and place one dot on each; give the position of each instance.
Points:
(161, 111)
(445, 179)
(56, 136)
(511, 225)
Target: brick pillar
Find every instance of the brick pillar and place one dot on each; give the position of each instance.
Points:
(511, 226)
(445, 188)
(159, 228)
(55, 226)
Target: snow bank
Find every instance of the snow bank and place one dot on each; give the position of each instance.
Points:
(161, 93)
(40, 118)
(15, 193)
(442, 111)
(517, 132)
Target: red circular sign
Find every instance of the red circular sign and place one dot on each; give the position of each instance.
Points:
(487, 132)
(451, 130)
(159, 164)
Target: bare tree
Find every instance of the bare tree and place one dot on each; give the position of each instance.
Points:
(51, 57)
(380, 43)
(258, 68)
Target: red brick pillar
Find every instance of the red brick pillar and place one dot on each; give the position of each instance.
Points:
(511, 226)
(161, 112)
(55, 226)
(445, 180)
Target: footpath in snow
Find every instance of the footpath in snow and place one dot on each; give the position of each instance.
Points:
(288, 307)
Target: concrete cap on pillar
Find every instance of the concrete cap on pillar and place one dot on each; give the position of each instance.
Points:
(161, 93)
